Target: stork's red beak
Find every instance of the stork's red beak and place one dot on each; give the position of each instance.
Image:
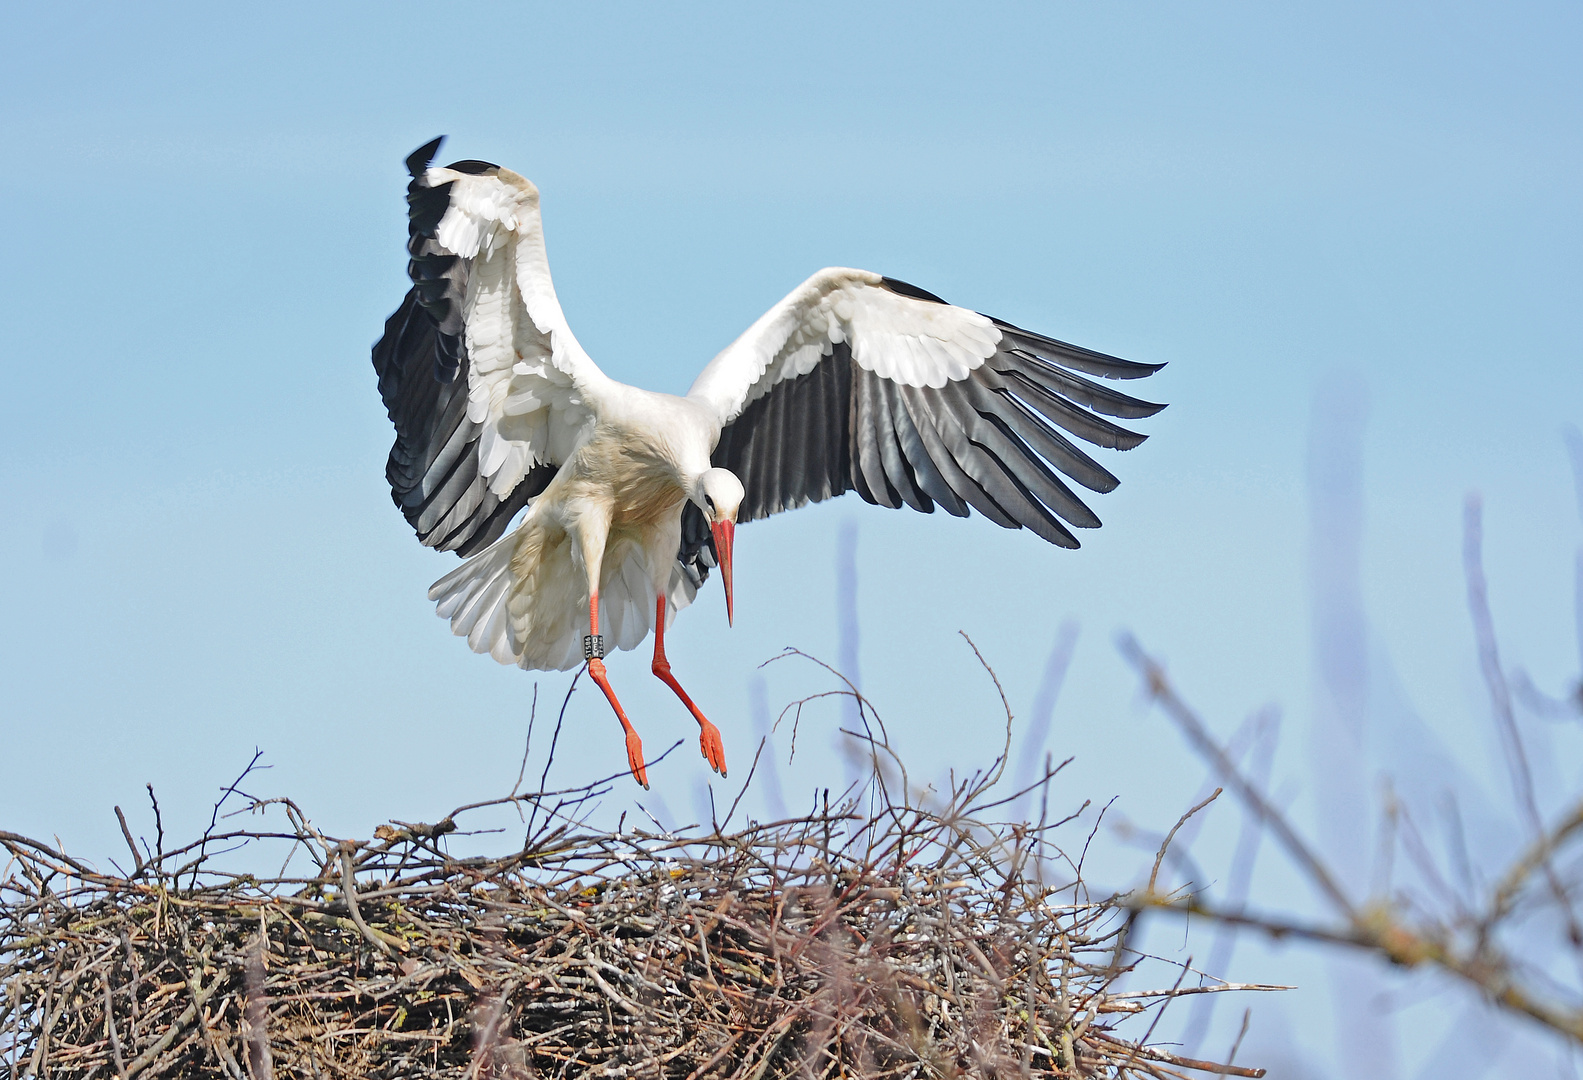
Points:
(725, 533)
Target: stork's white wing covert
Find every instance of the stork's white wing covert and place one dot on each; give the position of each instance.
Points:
(888, 333)
(484, 381)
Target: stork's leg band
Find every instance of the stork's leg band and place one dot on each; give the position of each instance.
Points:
(593, 646)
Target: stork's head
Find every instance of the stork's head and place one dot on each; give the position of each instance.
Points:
(718, 494)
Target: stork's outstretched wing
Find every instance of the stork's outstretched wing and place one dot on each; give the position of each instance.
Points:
(483, 379)
(856, 382)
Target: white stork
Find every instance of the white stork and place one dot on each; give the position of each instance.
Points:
(853, 382)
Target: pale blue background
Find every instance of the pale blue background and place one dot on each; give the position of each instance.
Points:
(204, 227)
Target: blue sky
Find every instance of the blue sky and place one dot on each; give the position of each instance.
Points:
(1369, 204)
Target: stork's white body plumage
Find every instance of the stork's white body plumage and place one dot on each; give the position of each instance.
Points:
(611, 514)
(853, 382)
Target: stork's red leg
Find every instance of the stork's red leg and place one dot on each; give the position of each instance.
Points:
(708, 735)
(596, 668)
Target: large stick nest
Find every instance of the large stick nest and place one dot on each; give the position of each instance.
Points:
(897, 941)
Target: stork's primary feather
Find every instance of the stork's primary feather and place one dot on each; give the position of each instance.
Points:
(853, 382)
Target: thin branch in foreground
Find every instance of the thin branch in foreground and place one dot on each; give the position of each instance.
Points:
(1501, 702)
(1470, 954)
(1161, 691)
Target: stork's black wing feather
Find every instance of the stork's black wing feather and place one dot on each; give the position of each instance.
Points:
(421, 362)
(993, 442)
(697, 555)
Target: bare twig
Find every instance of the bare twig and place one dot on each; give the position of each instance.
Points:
(1165, 844)
(349, 890)
(137, 858)
(159, 830)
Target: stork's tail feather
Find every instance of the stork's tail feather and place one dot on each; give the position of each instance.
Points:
(473, 597)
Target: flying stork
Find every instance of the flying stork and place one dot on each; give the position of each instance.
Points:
(853, 382)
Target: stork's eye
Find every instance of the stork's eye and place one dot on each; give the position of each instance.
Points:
(711, 503)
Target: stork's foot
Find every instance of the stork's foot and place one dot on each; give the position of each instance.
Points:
(635, 758)
(596, 668)
(709, 742)
(708, 735)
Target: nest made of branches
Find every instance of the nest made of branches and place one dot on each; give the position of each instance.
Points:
(878, 938)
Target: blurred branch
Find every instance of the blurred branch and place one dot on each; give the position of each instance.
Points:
(1506, 721)
(1198, 737)
(1379, 930)
(1490, 661)
(1536, 856)
(1471, 955)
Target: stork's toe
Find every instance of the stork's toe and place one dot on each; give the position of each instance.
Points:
(713, 749)
(635, 759)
